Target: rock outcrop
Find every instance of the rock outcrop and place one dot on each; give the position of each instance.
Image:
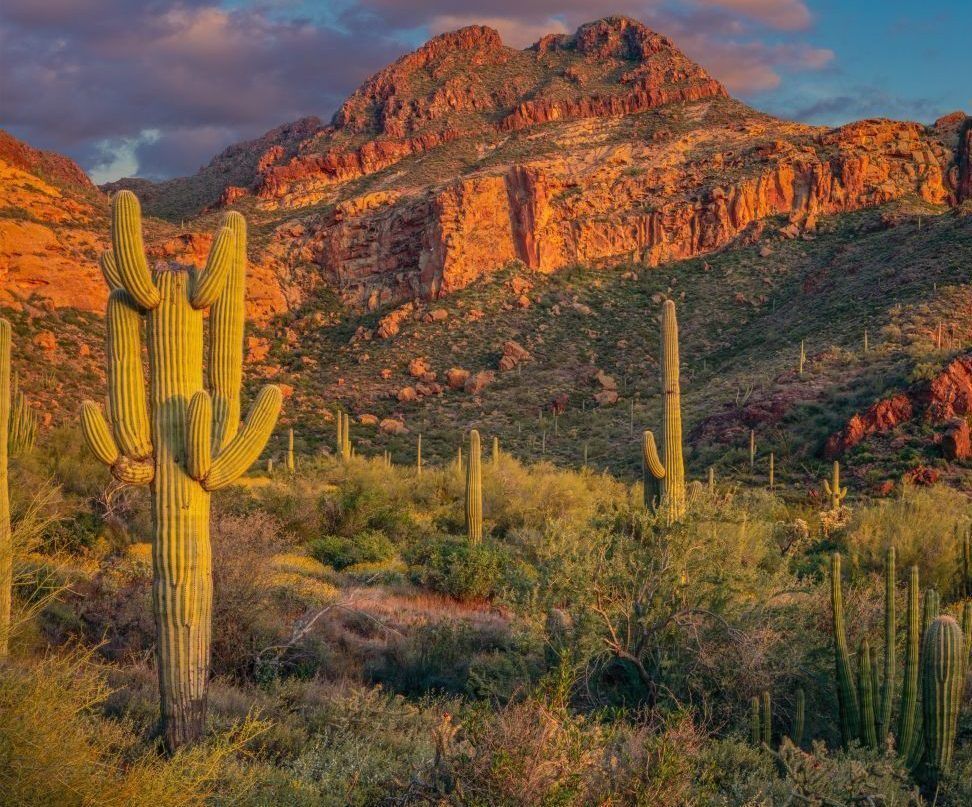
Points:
(945, 399)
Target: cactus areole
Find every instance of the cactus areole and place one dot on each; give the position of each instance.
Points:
(183, 439)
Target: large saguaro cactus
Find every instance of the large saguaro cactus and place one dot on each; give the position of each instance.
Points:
(671, 465)
(182, 439)
(474, 491)
(6, 541)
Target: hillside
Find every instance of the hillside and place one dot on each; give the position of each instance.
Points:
(553, 197)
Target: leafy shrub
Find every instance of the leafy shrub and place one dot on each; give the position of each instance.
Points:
(457, 568)
(369, 546)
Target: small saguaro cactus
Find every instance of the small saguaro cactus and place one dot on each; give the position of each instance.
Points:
(339, 433)
(6, 541)
(772, 470)
(418, 456)
(347, 450)
(711, 479)
(671, 464)
(755, 730)
(799, 716)
(752, 449)
(942, 666)
(183, 440)
(496, 452)
(291, 464)
(474, 491)
(846, 692)
(833, 489)
(803, 356)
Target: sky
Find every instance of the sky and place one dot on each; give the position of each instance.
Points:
(155, 88)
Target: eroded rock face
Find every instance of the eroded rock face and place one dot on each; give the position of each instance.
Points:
(947, 398)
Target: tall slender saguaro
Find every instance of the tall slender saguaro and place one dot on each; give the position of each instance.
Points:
(671, 462)
(6, 541)
(182, 439)
(474, 490)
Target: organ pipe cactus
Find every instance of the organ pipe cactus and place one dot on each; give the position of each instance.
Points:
(474, 491)
(833, 489)
(23, 424)
(182, 439)
(908, 716)
(6, 540)
(755, 732)
(890, 661)
(865, 695)
(942, 665)
(767, 719)
(672, 466)
(846, 693)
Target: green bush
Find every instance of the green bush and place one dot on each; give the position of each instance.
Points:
(369, 546)
(454, 567)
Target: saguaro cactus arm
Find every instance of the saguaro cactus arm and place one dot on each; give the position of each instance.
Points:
(654, 471)
(249, 441)
(126, 380)
(129, 253)
(208, 283)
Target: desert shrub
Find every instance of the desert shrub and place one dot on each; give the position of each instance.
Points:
(455, 567)
(368, 546)
(56, 748)
(923, 524)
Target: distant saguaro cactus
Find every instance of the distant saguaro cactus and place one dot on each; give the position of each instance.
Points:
(184, 441)
(752, 449)
(418, 456)
(496, 452)
(291, 464)
(671, 464)
(803, 356)
(833, 489)
(6, 541)
(943, 665)
(474, 491)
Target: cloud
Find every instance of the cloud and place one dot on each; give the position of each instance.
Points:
(80, 76)
(864, 102)
(786, 15)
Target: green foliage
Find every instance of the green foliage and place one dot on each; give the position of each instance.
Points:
(339, 552)
(456, 568)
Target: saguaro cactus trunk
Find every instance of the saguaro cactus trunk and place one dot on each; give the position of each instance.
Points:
(6, 545)
(474, 491)
(672, 481)
(184, 441)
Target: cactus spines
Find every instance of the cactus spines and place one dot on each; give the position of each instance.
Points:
(865, 694)
(653, 472)
(846, 691)
(890, 661)
(908, 717)
(833, 489)
(6, 544)
(799, 714)
(291, 465)
(942, 663)
(418, 456)
(496, 452)
(181, 439)
(755, 732)
(474, 491)
(767, 719)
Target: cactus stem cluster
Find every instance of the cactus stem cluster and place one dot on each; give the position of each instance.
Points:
(183, 437)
